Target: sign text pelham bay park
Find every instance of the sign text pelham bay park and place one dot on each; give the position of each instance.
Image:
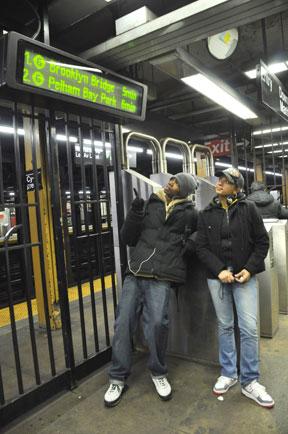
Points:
(76, 81)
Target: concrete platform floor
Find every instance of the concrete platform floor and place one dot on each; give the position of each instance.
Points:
(192, 410)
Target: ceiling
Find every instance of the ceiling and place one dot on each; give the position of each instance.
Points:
(87, 28)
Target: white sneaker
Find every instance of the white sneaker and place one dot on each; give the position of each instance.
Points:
(223, 384)
(258, 393)
(113, 394)
(163, 387)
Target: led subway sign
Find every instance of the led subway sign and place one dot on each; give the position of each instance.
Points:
(46, 73)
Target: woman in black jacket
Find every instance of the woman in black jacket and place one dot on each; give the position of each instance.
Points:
(232, 243)
(159, 232)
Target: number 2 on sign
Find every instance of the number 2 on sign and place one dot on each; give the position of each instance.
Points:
(26, 75)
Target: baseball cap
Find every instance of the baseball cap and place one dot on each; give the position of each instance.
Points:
(233, 175)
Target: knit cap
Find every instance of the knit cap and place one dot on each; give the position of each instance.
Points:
(187, 183)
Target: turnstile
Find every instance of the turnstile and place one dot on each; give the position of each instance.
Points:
(280, 241)
(193, 324)
(268, 291)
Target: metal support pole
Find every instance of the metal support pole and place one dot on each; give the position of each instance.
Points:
(234, 152)
(48, 245)
(45, 31)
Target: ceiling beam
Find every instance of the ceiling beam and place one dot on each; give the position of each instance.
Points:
(180, 28)
(195, 113)
(212, 121)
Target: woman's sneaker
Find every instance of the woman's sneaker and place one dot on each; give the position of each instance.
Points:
(113, 395)
(258, 393)
(223, 384)
(163, 387)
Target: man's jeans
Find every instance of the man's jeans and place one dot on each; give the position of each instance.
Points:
(245, 298)
(151, 298)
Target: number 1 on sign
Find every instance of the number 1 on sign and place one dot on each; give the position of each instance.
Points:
(27, 58)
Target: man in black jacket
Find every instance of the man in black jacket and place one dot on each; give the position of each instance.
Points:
(265, 202)
(159, 232)
(232, 243)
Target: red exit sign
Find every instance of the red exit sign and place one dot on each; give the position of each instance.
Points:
(219, 147)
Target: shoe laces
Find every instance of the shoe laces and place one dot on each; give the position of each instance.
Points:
(114, 387)
(162, 381)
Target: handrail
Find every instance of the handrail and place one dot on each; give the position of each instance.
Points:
(210, 160)
(187, 160)
(157, 160)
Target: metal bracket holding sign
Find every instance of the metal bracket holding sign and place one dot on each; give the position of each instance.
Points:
(272, 92)
(33, 67)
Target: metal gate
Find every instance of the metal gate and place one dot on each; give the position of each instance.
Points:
(57, 278)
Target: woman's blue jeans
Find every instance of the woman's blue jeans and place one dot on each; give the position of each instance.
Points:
(246, 302)
(151, 298)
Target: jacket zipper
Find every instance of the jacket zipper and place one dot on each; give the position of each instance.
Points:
(230, 238)
(227, 215)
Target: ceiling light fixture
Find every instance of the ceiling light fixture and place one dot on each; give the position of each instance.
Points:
(125, 130)
(267, 145)
(273, 67)
(211, 90)
(242, 168)
(270, 145)
(269, 130)
(171, 155)
(277, 151)
(10, 130)
(135, 149)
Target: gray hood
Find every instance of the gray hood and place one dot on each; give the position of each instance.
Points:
(261, 198)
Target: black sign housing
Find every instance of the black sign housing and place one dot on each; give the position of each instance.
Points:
(273, 92)
(34, 67)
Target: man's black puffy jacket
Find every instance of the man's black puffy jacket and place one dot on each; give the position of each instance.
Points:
(249, 239)
(159, 242)
(267, 205)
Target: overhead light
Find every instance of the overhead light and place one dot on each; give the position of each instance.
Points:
(277, 151)
(10, 130)
(168, 155)
(220, 164)
(267, 145)
(125, 130)
(211, 90)
(135, 149)
(171, 155)
(269, 130)
(270, 145)
(272, 173)
(97, 143)
(174, 156)
(63, 138)
(248, 169)
(273, 67)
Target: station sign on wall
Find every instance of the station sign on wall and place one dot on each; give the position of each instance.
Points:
(219, 147)
(31, 182)
(273, 92)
